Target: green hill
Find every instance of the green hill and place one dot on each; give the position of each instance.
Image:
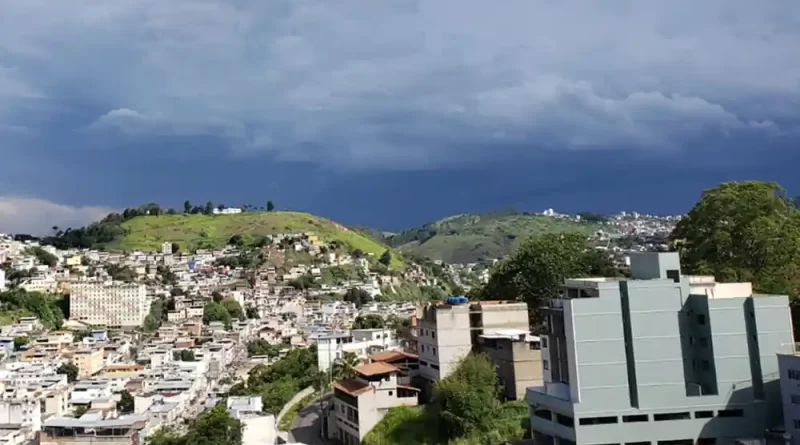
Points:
(468, 238)
(191, 232)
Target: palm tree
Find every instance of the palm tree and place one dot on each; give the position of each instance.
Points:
(342, 368)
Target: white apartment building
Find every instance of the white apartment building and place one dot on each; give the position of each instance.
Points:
(361, 342)
(109, 304)
(166, 248)
(447, 332)
(24, 412)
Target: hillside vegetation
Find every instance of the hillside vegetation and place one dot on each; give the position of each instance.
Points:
(468, 238)
(136, 230)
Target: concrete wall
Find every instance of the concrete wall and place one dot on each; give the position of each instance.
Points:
(444, 332)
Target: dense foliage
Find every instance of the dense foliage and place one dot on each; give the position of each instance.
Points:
(70, 370)
(279, 382)
(184, 355)
(465, 409)
(47, 308)
(369, 321)
(743, 231)
(126, 402)
(536, 270)
(262, 347)
(155, 317)
(213, 427)
(357, 296)
(43, 256)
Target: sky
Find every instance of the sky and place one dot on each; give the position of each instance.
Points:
(391, 113)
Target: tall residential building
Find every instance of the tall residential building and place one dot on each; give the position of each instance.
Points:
(447, 332)
(661, 358)
(166, 248)
(108, 305)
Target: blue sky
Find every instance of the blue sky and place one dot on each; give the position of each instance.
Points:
(391, 113)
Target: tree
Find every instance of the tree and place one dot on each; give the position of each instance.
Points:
(20, 342)
(342, 367)
(216, 427)
(80, 410)
(209, 210)
(536, 271)
(275, 395)
(369, 321)
(386, 258)
(743, 231)
(44, 257)
(216, 296)
(126, 402)
(187, 206)
(176, 248)
(357, 296)
(251, 312)
(270, 206)
(70, 370)
(236, 240)
(467, 400)
(262, 347)
(234, 308)
(216, 312)
(184, 355)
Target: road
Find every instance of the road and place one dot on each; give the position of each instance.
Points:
(307, 425)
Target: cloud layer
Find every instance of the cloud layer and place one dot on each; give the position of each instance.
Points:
(400, 83)
(38, 216)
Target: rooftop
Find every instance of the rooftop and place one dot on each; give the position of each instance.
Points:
(375, 368)
(354, 387)
(390, 356)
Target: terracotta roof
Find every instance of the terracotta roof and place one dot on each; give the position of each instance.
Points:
(390, 356)
(409, 388)
(354, 387)
(375, 368)
(124, 367)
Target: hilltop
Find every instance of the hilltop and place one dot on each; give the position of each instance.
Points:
(467, 238)
(199, 231)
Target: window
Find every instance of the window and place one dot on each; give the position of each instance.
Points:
(701, 319)
(671, 416)
(706, 441)
(433, 334)
(705, 365)
(635, 418)
(703, 414)
(391, 393)
(597, 420)
(730, 413)
(544, 342)
(434, 351)
(423, 363)
(703, 342)
(797, 424)
(794, 374)
(795, 399)
(436, 367)
(565, 420)
(545, 365)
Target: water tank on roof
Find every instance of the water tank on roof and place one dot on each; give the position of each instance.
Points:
(456, 300)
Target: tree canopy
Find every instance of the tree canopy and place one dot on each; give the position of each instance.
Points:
(465, 409)
(536, 271)
(70, 370)
(743, 231)
(213, 427)
(369, 321)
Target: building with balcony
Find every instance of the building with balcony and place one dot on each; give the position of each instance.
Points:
(360, 403)
(447, 332)
(660, 358)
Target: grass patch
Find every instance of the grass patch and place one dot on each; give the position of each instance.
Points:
(469, 238)
(213, 231)
(286, 421)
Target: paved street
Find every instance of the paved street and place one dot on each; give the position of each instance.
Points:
(307, 425)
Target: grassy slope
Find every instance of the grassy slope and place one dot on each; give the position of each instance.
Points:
(195, 231)
(470, 237)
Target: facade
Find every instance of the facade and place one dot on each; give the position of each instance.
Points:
(517, 356)
(166, 248)
(123, 305)
(360, 403)
(446, 333)
(89, 361)
(789, 365)
(660, 358)
(2, 280)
